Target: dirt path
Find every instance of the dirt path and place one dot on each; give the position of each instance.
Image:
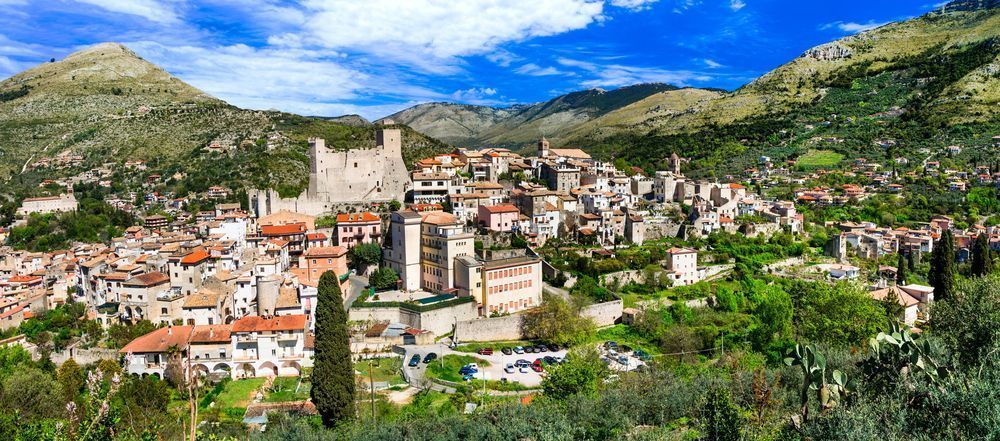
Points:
(404, 396)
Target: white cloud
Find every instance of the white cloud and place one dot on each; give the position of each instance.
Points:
(853, 27)
(617, 75)
(292, 80)
(712, 64)
(480, 96)
(538, 71)
(152, 10)
(414, 30)
(634, 5)
(736, 5)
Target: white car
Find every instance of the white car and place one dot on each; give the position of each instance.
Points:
(523, 369)
(509, 368)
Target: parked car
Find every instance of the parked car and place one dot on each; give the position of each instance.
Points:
(548, 359)
(610, 345)
(467, 377)
(625, 349)
(523, 369)
(537, 366)
(522, 362)
(415, 360)
(467, 370)
(430, 357)
(485, 351)
(553, 347)
(509, 368)
(623, 359)
(541, 348)
(506, 351)
(641, 354)
(518, 350)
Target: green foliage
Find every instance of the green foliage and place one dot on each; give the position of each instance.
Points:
(898, 357)
(967, 323)
(982, 258)
(901, 269)
(557, 321)
(384, 278)
(580, 374)
(33, 394)
(588, 288)
(95, 221)
(721, 418)
(365, 254)
(120, 334)
(839, 314)
(11, 95)
(71, 378)
(942, 272)
(333, 375)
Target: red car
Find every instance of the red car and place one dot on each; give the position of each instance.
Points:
(537, 365)
(485, 351)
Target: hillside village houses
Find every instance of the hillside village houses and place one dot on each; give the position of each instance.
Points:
(235, 291)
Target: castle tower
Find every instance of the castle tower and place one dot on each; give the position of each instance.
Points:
(319, 161)
(674, 164)
(543, 148)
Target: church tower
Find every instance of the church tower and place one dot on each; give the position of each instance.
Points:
(675, 164)
(543, 148)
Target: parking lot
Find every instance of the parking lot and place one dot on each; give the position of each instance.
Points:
(494, 372)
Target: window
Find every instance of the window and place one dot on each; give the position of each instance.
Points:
(163, 310)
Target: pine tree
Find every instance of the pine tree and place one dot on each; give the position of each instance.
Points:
(942, 271)
(901, 270)
(982, 261)
(333, 371)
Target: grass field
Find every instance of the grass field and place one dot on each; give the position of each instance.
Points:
(446, 368)
(287, 389)
(239, 393)
(819, 159)
(386, 369)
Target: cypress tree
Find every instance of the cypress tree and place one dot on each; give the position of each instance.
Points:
(942, 271)
(911, 261)
(901, 270)
(982, 261)
(333, 371)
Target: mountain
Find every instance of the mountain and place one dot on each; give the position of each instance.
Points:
(108, 105)
(922, 84)
(468, 124)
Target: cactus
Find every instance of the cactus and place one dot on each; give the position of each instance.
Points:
(813, 365)
(897, 355)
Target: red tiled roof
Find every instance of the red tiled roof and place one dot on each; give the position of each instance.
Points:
(211, 334)
(501, 208)
(253, 323)
(159, 340)
(24, 279)
(194, 258)
(356, 217)
(325, 251)
(316, 236)
(283, 230)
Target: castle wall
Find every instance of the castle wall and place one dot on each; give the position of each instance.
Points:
(341, 177)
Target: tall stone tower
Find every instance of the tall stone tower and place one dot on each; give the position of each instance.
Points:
(320, 160)
(675, 164)
(543, 148)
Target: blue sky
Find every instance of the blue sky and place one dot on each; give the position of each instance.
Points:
(374, 57)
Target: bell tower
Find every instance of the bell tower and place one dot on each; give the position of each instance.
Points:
(543, 148)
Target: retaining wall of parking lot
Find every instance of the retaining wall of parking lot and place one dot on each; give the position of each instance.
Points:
(509, 327)
(439, 321)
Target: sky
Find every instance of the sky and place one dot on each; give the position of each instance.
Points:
(375, 57)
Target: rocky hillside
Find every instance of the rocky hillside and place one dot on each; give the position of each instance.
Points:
(938, 70)
(520, 124)
(108, 105)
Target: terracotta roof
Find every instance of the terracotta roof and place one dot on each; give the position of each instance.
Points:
(905, 299)
(148, 279)
(24, 279)
(202, 299)
(438, 218)
(211, 334)
(195, 257)
(676, 250)
(357, 217)
(283, 230)
(501, 208)
(159, 340)
(325, 251)
(296, 322)
(316, 236)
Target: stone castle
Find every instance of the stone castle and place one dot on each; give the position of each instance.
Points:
(337, 178)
